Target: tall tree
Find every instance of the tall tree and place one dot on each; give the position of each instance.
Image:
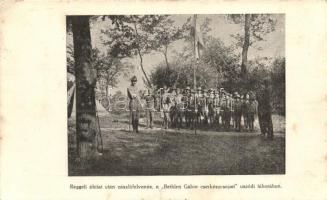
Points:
(255, 27)
(224, 61)
(166, 33)
(85, 83)
(133, 36)
(109, 68)
(246, 44)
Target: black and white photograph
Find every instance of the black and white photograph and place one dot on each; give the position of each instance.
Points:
(181, 94)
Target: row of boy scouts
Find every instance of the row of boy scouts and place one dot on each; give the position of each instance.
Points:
(190, 108)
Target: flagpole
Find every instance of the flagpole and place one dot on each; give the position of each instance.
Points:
(194, 73)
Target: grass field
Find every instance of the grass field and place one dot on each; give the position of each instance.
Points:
(172, 152)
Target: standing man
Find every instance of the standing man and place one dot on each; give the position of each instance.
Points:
(173, 107)
(237, 112)
(264, 110)
(185, 104)
(251, 113)
(205, 106)
(225, 111)
(132, 93)
(245, 103)
(211, 107)
(179, 109)
(232, 108)
(149, 108)
(228, 110)
(165, 105)
(217, 107)
(166, 110)
(189, 105)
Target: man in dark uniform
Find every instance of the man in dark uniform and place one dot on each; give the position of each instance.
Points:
(264, 109)
(251, 112)
(245, 111)
(237, 112)
(224, 110)
(134, 103)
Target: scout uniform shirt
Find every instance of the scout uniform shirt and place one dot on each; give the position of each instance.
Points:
(132, 93)
(149, 102)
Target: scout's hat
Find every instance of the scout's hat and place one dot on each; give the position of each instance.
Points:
(212, 91)
(199, 89)
(235, 94)
(252, 96)
(133, 79)
(187, 88)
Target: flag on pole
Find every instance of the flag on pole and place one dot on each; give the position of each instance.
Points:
(198, 39)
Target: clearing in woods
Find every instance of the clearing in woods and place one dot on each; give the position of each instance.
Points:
(180, 152)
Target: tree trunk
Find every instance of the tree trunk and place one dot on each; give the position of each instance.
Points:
(165, 55)
(141, 64)
(85, 94)
(246, 45)
(107, 92)
(141, 58)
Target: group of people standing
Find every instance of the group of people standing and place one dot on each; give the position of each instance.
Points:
(189, 108)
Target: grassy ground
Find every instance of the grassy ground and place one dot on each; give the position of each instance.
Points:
(171, 152)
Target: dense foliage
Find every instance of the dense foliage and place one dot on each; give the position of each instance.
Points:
(220, 65)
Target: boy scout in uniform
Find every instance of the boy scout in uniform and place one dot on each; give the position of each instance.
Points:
(173, 108)
(246, 112)
(251, 112)
(149, 108)
(238, 113)
(231, 103)
(224, 110)
(205, 109)
(211, 107)
(228, 110)
(189, 107)
(166, 111)
(179, 108)
(198, 102)
(217, 107)
(134, 101)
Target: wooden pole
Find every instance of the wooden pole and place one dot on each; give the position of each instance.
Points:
(194, 74)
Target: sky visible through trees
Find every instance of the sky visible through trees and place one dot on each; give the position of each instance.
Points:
(220, 27)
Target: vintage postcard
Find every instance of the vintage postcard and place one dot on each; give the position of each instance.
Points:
(163, 100)
(176, 95)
